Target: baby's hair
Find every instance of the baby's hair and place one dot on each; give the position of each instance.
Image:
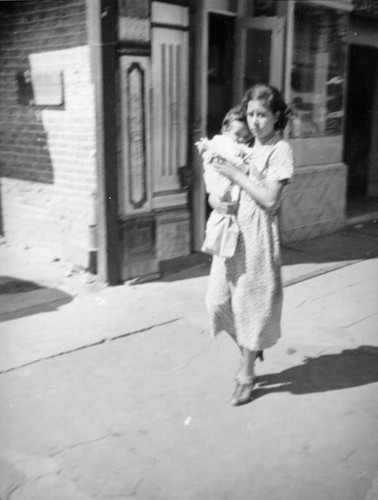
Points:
(273, 98)
(237, 113)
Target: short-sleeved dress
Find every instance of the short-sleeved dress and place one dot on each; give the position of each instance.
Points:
(244, 295)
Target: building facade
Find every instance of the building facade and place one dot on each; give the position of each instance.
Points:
(48, 129)
(103, 100)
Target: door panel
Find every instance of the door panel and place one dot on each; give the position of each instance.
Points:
(262, 49)
(170, 96)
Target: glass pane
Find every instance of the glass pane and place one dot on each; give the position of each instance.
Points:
(257, 64)
(262, 8)
(318, 71)
(130, 8)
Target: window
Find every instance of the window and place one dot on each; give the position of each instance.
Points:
(318, 71)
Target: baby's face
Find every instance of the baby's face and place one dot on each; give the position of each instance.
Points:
(238, 132)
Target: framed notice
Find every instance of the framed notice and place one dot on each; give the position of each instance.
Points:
(47, 88)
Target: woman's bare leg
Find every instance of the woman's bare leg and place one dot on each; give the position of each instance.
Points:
(247, 371)
(245, 379)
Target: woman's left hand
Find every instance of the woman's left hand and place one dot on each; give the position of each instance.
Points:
(225, 168)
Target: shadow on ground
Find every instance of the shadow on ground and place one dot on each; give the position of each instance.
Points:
(19, 298)
(328, 372)
(14, 285)
(355, 243)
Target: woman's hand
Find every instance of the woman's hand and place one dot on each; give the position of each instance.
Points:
(222, 207)
(225, 168)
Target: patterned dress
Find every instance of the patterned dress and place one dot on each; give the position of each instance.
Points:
(244, 295)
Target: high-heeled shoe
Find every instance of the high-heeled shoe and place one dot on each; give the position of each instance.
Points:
(242, 393)
(260, 355)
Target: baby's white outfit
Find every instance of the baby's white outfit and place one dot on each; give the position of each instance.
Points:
(222, 229)
(222, 146)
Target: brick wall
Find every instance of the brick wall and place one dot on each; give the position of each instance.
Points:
(47, 154)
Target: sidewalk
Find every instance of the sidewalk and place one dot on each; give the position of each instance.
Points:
(119, 392)
(32, 280)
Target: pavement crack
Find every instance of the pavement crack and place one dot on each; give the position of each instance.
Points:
(84, 443)
(344, 459)
(88, 346)
(151, 327)
(28, 482)
(135, 489)
(321, 297)
(361, 320)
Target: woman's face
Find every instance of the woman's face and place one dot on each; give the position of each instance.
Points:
(260, 120)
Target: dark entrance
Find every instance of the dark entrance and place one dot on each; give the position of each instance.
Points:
(220, 70)
(361, 118)
(219, 73)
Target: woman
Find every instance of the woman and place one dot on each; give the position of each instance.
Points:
(244, 295)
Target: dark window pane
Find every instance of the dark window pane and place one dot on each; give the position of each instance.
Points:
(258, 57)
(318, 71)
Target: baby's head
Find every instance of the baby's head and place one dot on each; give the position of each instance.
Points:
(235, 126)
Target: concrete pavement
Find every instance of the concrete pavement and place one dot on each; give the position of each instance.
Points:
(120, 392)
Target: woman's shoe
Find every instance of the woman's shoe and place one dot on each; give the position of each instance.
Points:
(242, 393)
(260, 355)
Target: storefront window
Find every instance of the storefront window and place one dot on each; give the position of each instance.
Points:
(318, 71)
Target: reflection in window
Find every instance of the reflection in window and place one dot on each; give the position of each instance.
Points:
(317, 77)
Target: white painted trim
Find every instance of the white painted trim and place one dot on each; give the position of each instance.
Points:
(199, 125)
(217, 5)
(277, 53)
(289, 49)
(169, 14)
(170, 200)
(333, 4)
(222, 12)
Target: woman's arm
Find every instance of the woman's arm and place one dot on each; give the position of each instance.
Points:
(267, 195)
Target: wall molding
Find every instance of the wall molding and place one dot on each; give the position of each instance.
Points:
(134, 48)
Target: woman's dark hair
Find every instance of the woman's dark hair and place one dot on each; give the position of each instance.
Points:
(273, 99)
(236, 113)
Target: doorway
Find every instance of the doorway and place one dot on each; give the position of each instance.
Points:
(221, 44)
(360, 147)
(230, 51)
(220, 70)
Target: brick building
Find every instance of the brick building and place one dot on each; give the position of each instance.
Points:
(48, 137)
(101, 102)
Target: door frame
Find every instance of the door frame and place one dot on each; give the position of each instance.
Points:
(200, 34)
(200, 40)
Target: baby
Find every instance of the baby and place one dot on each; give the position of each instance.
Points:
(229, 146)
(221, 228)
